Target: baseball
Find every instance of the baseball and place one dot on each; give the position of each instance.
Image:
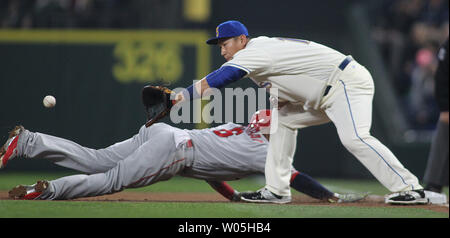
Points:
(49, 101)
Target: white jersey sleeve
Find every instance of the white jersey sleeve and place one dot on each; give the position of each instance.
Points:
(251, 60)
(299, 69)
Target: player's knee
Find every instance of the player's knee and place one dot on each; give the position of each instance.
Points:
(355, 141)
(113, 182)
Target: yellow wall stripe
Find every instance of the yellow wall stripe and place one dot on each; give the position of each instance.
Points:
(64, 36)
(101, 36)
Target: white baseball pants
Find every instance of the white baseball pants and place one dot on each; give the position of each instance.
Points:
(349, 106)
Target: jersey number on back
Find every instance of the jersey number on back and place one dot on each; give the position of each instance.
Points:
(237, 131)
(227, 133)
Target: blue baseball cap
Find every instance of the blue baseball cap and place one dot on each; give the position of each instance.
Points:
(228, 29)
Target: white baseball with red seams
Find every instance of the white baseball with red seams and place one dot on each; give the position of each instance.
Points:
(49, 101)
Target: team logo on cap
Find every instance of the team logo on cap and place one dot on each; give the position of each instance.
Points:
(217, 31)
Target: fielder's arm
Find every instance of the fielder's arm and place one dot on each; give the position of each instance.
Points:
(217, 79)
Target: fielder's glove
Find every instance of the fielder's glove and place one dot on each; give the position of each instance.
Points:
(157, 102)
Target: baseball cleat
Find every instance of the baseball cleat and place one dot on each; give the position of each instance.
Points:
(347, 197)
(407, 197)
(28, 192)
(264, 196)
(8, 150)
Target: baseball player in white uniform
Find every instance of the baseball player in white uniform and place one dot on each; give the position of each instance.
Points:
(316, 85)
(157, 153)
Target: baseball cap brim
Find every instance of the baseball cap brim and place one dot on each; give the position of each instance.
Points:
(214, 40)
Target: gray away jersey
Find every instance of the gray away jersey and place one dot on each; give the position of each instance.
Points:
(226, 152)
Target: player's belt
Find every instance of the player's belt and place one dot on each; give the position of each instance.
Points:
(327, 89)
(345, 62)
(187, 153)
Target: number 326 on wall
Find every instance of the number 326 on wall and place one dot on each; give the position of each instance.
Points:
(145, 61)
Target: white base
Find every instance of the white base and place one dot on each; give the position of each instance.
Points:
(435, 198)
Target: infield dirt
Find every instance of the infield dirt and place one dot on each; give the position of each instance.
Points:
(126, 196)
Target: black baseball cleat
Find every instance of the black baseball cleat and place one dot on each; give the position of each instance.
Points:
(407, 197)
(264, 196)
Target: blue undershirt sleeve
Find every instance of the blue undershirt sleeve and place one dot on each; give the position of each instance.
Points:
(217, 79)
(224, 75)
